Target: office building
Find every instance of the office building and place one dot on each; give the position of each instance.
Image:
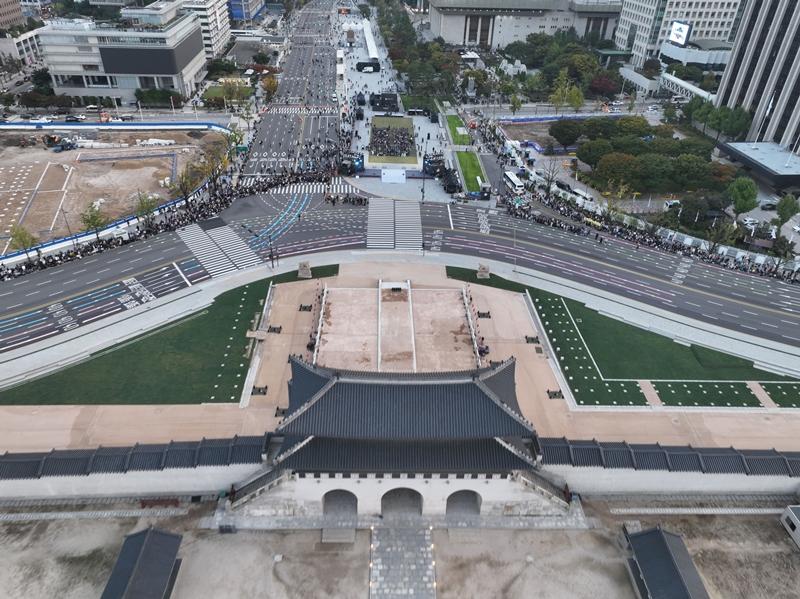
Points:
(159, 46)
(474, 23)
(10, 14)
(214, 23)
(24, 47)
(245, 10)
(644, 25)
(763, 73)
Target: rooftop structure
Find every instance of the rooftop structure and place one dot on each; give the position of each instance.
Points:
(773, 162)
(146, 566)
(662, 568)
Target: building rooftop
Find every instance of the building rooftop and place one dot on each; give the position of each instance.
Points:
(770, 156)
(476, 404)
(146, 566)
(665, 566)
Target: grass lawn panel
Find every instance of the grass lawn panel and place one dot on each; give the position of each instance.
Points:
(420, 102)
(215, 91)
(623, 351)
(471, 167)
(453, 122)
(182, 363)
(392, 122)
(713, 394)
(786, 395)
(393, 159)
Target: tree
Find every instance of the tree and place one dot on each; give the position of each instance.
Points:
(670, 114)
(593, 150)
(22, 239)
(616, 167)
(145, 206)
(215, 161)
(94, 219)
(566, 131)
(690, 172)
(702, 114)
(550, 174)
(633, 125)
(654, 172)
(261, 58)
(651, 68)
(737, 123)
(41, 78)
(535, 86)
(575, 98)
(185, 182)
(270, 86)
(787, 208)
(604, 85)
(720, 233)
(600, 127)
(516, 104)
(561, 86)
(782, 249)
(743, 193)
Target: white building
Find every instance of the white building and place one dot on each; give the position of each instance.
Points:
(24, 47)
(155, 47)
(214, 23)
(644, 25)
(499, 23)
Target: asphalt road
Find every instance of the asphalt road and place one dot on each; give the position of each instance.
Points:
(296, 220)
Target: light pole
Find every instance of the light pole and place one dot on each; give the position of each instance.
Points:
(423, 171)
(69, 230)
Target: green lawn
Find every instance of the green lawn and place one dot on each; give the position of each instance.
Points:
(215, 91)
(471, 167)
(422, 102)
(453, 122)
(602, 358)
(203, 358)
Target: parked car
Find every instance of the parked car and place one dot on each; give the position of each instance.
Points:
(71, 118)
(617, 103)
(26, 117)
(92, 107)
(127, 117)
(18, 83)
(749, 221)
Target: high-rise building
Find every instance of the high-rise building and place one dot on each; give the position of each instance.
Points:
(159, 46)
(501, 22)
(214, 23)
(10, 14)
(763, 73)
(645, 24)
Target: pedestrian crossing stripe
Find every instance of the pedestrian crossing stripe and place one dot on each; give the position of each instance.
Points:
(218, 250)
(300, 110)
(394, 224)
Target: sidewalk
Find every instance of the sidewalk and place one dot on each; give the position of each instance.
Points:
(57, 352)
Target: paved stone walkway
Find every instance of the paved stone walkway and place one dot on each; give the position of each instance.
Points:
(402, 563)
(697, 511)
(93, 515)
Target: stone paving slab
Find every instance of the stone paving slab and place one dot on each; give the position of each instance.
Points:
(402, 563)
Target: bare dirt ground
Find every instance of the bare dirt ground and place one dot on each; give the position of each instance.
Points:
(73, 183)
(72, 559)
(738, 557)
(537, 131)
(523, 564)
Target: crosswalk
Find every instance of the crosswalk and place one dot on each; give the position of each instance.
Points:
(380, 224)
(394, 224)
(219, 250)
(337, 186)
(407, 225)
(300, 109)
(234, 247)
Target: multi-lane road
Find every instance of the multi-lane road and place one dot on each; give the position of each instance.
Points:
(295, 219)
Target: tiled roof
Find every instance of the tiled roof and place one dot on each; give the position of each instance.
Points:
(665, 565)
(477, 404)
(712, 460)
(144, 566)
(337, 455)
(183, 454)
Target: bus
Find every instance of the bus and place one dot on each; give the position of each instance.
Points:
(513, 183)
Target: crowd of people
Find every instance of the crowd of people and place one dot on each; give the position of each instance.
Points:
(391, 141)
(586, 223)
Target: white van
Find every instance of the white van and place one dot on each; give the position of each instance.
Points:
(582, 195)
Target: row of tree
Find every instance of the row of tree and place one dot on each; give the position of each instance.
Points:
(731, 122)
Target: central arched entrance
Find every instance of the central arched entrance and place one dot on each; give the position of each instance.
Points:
(340, 504)
(463, 503)
(401, 502)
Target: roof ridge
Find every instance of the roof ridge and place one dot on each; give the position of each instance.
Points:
(664, 534)
(503, 406)
(306, 405)
(493, 370)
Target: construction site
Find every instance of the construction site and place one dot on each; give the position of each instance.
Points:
(49, 179)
